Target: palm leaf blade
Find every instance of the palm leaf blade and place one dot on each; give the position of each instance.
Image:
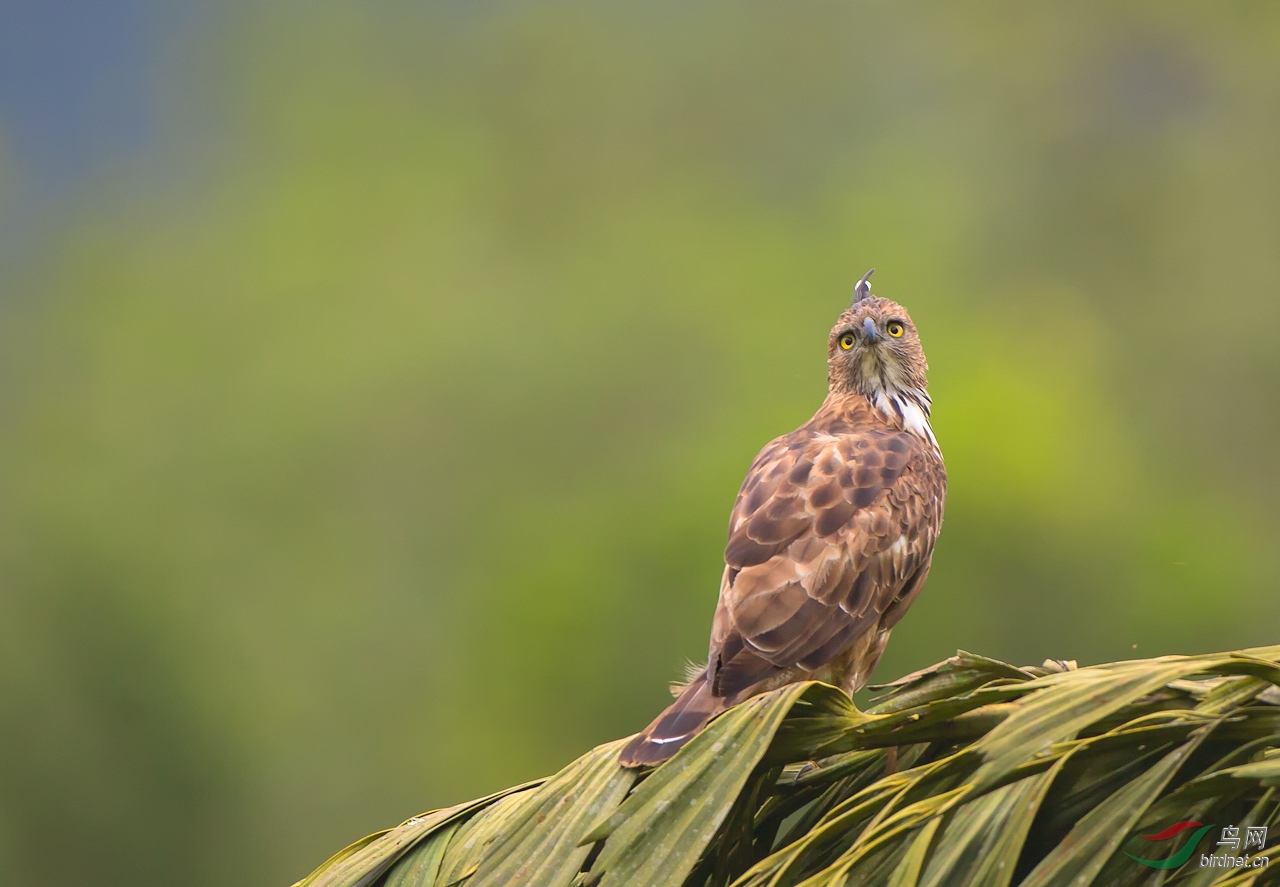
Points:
(1036, 776)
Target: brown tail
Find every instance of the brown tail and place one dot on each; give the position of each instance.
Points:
(674, 727)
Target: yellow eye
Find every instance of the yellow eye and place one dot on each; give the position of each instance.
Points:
(846, 341)
(894, 329)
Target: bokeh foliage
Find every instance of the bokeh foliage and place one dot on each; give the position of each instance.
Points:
(370, 447)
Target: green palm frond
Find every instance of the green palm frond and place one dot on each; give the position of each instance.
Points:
(1036, 776)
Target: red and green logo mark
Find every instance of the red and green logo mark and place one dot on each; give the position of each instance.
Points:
(1182, 855)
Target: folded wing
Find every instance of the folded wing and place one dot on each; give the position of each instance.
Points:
(828, 532)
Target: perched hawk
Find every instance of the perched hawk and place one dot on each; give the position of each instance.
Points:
(831, 536)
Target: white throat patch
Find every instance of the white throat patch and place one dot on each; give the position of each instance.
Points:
(912, 408)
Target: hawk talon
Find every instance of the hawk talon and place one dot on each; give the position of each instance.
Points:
(805, 768)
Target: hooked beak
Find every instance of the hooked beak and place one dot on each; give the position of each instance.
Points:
(869, 329)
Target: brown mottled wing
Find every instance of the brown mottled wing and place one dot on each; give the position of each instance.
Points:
(828, 531)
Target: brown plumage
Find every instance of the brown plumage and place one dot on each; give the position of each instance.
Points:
(831, 536)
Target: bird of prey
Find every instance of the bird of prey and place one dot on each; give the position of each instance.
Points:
(831, 536)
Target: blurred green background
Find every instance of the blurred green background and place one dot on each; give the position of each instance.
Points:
(371, 406)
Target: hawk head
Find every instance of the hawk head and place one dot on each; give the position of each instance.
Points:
(874, 349)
